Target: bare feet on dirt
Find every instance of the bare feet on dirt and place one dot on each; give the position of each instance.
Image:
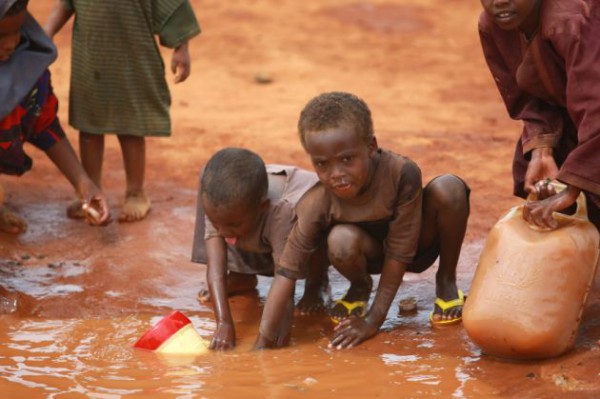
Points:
(135, 208)
(10, 222)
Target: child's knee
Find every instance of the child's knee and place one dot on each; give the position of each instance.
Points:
(343, 244)
(448, 192)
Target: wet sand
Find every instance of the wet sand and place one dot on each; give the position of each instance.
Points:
(74, 298)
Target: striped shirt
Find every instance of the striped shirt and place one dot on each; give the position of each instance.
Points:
(35, 121)
(118, 77)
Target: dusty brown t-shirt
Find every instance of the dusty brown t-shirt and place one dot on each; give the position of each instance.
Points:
(389, 210)
(272, 230)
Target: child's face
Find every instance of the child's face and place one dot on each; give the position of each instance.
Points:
(10, 34)
(512, 14)
(342, 160)
(233, 222)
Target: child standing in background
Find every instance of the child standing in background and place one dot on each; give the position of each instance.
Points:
(244, 216)
(118, 83)
(376, 217)
(28, 112)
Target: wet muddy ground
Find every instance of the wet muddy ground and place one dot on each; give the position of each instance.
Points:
(75, 298)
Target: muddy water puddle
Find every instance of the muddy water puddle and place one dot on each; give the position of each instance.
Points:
(69, 318)
(92, 357)
(69, 358)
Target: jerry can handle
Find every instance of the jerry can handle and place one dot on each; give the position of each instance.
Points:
(581, 211)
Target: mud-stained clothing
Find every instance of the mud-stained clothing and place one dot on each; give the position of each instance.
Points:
(117, 73)
(389, 209)
(552, 84)
(33, 120)
(259, 251)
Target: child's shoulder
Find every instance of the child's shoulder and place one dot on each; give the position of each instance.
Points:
(559, 17)
(396, 164)
(315, 199)
(290, 171)
(486, 23)
(294, 181)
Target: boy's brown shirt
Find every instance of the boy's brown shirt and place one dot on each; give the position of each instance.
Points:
(272, 231)
(389, 210)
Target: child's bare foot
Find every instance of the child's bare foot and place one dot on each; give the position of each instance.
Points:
(75, 210)
(10, 222)
(314, 299)
(237, 283)
(135, 208)
(354, 303)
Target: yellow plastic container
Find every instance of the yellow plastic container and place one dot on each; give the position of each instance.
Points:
(531, 285)
(173, 335)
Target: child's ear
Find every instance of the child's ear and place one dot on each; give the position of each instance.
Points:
(372, 146)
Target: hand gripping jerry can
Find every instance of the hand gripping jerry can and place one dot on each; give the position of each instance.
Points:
(531, 285)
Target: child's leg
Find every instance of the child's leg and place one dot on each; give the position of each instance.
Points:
(237, 283)
(445, 215)
(10, 222)
(350, 250)
(316, 286)
(136, 205)
(91, 149)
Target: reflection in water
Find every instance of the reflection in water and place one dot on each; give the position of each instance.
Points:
(59, 342)
(94, 358)
(390, 359)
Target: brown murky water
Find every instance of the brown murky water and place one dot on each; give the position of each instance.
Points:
(75, 299)
(71, 317)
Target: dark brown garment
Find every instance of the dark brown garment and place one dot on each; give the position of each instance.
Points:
(118, 82)
(389, 210)
(258, 252)
(552, 84)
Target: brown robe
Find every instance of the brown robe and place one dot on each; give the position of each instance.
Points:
(552, 84)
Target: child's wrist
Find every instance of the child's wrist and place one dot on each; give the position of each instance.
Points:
(541, 152)
(373, 319)
(182, 46)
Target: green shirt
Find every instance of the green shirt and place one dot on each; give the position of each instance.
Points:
(117, 74)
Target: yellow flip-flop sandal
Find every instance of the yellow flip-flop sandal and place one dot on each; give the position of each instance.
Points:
(445, 305)
(350, 307)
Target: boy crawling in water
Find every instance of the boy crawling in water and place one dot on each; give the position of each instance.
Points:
(244, 215)
(376, 218)
(28, 110)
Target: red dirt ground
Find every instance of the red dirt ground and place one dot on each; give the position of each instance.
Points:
(418, 65)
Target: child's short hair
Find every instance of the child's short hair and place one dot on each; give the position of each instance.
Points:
(335, 109)
(17, 7)
(233, 176)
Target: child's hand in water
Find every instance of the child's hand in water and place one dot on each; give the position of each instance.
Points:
(352, 331)
(224, 337)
